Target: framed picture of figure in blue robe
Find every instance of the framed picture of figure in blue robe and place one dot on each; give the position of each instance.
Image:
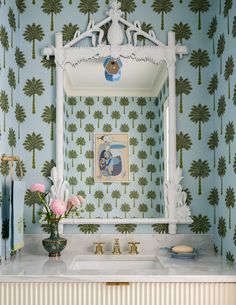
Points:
(111, 157)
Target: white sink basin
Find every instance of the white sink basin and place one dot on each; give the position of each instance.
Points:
(110, 262)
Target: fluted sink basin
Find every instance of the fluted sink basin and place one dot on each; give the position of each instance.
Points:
(110, 262)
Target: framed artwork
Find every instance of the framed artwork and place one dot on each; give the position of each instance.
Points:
(111, 157)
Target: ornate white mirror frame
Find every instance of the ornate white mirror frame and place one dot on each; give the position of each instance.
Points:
(176, 211)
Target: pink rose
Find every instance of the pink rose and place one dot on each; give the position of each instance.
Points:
(38, 187)
(58, 207)
(81, 199)
(74, 201)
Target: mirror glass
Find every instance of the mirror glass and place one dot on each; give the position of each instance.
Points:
(144, 120)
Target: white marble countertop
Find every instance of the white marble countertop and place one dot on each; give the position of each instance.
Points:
(33, 265)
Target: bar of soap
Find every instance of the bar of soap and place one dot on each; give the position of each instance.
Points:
(182, 249)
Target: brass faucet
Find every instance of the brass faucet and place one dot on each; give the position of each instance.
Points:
(116, 247)
(133, 248)
(99, 248)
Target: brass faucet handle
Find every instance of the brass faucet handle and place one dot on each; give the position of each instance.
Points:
(133, 247)
(99, 248)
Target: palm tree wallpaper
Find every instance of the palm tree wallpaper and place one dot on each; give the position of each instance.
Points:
(206, 99)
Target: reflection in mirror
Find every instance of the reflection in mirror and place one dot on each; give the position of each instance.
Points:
(143, 118)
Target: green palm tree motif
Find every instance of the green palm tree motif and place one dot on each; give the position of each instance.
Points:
(220, 49)
(89, 182)
(107, 128)
(4, 105)
(151, 168)
(141, 102)
(199, 59)
(134, 169)
(124, 128)
(143, 208)
(183, 86)
(212, 30)
(107, 102)
(199, 7)
(125, 228)
(107, 208)
(89, 101)
(234, 27)
(183, 141)
(89, 128)
(234, 237)
(146, 27)
(227, 8)
(234, 96)
(128, 7)
(213, 86)
(99, 195)
(182, 31)
(213, 143)
(12, 139)
(89, 228)
(72, 154)
(124, 102)
(34, 2)
(50, 65)
(142, 181)
(229, 136)
(162, 7)
(20, 4)
(72, 101)
(12, 23)
(152, 196)
(134, 195)
(32, 33)
(229, 257)
(5, 234)
(81, 168)
(221, 111)
(133, 142)
(90, 156)
(160, 228)
(47, 167)
(234, 166)
(125, 184)
(142, 128)
(116, 195)
(80, 115)
(4, 166)
(52, 7)
(199, 170)
(213, 200)
(189, 196)
(72, 128)
(32, 143)
(133, 116)
(150, 115)
(115, 115)
(222, 230)
(81, 142)
(90, 208)
(199, 115)
(31, 199)
(20, 169)
(12, 82)
(88, 7)
(125, 208)
(107, 186)
(200, 224)
(72, 182)
(230, 201)
(98, 115)
(32, 88)
(151, 143)
(4, 42)
(20, 62)
(229, 69)
(221, 169)
(49, 117)
(142, 155)
(68, 31)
